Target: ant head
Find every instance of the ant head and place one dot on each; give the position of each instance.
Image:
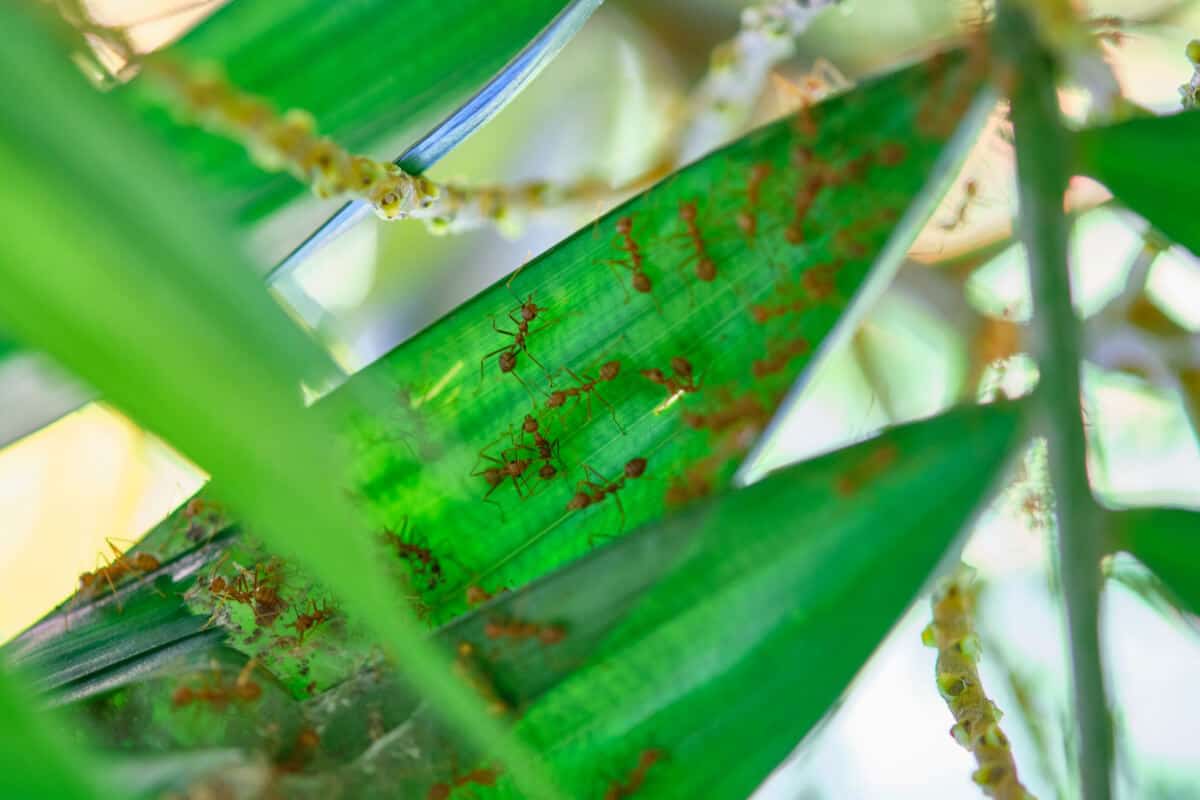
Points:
(547, 472)
(610, 370)
(508, 361)
(557, 398)
(625, 226)
(681, 367)
(706, 269)
(747, 222)
(687, 211)
(635, 468)
(217, 585)
(794, 234)
(530, 425)
(655, 375)
(580, 500)
(641, 282)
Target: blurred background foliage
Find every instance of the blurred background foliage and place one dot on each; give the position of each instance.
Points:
(599, 110)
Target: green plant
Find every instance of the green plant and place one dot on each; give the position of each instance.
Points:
(564, 477)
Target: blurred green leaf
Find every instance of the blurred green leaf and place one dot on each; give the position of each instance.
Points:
(374, 74)
(1152, 165)
(1167, 540)
(35, 759)
(160, 314)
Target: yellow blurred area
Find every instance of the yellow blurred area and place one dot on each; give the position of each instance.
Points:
(90, 476)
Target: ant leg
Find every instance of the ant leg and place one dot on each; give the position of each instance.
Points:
(612, 411)
(610, 263)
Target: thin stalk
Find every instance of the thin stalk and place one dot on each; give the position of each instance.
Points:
(1028, 72)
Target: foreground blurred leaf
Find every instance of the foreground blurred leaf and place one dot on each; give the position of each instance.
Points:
(35, 760)
(373, 73)
(172, 327)
(1167, 540)
(1152, 165)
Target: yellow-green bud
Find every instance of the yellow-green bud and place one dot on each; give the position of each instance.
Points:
(1193, 51)
(929, 636)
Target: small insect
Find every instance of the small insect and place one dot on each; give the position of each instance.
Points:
(706, 266)
(637, 776)
(747, 408)
(421, 561)
(747, 216)
(970, 194)
(510, 468)
(509, 353)
(802, 203)
(602, 488)
(517, 630)
(634, 260)
(468, 668)
(115, 570)
(303, 749)
(779, 355)
(609, 371)
(216, 693)
(680, 382)
(477, 594)
(306, 622)
(871, 467)
(479, 777)
(547, 450)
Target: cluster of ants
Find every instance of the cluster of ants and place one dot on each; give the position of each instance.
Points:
(257, 588)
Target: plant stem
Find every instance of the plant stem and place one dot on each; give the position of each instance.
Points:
(1042, 147)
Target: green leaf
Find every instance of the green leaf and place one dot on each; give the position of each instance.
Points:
(1167, 540)
(424, 464)
(169, 323)
(35, 759)
(372, 72)
(1151, 165)
(719, 636)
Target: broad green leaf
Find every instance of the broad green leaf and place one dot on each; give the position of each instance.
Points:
(1167, 540)
(718, 648)
(776, 298)
(372, 72)
(1150, 164)
(35, 760)
(102, 274)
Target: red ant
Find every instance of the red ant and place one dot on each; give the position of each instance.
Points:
(114, 571)
(609, 371)
(634, 468)
(508, 354)
(779, 355)
(305, 622)
(513, 468)
(747, 217)
(518, 630)
(547, 450)
(634, 261)
(477, 594)
(871, 467)
(802, 203)
(637, 776)
(216, 693)
(681, 383)
(479, 776)
(422, 562)
(706, 267)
